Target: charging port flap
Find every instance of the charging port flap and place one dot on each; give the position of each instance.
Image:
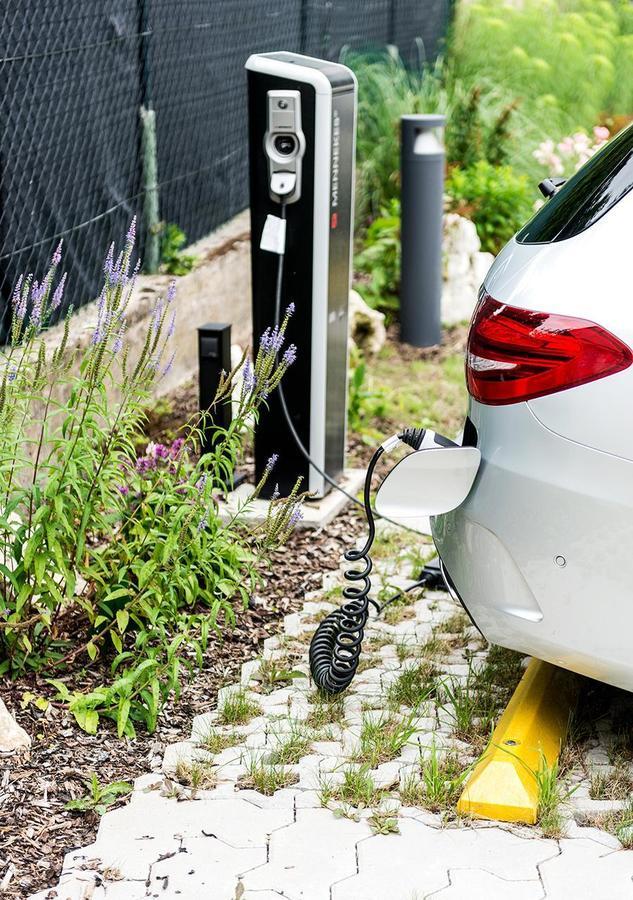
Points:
(428, 482)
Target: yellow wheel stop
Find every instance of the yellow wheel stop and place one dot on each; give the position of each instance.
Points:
(531, 732)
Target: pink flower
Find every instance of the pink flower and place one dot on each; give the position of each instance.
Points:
(601, 134)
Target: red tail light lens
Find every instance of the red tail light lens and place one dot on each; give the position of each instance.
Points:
(516, 354)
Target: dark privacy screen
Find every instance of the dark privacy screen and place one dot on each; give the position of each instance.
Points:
(75, 74)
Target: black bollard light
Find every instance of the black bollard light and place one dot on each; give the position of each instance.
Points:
(422, 180)
(214, 358)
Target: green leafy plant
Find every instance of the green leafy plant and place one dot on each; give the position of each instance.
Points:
(172, 258)
(378, 263)
(471, 135)
(108, 560)
(497, 200)
(383, 822)
(99, 796)
(272, 675)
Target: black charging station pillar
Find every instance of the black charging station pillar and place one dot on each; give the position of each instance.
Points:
(214, 358)
(302, 126)
(422, 207)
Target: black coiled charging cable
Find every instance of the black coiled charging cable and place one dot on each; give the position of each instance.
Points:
(337, 643)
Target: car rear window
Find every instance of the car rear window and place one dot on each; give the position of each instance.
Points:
(587, 196)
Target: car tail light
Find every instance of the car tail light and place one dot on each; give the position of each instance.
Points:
(516, 354)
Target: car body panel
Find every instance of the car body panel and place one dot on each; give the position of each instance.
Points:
(529, 551)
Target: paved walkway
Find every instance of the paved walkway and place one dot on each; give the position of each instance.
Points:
(221, 838)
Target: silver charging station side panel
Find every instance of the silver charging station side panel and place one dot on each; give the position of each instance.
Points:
(317, 266)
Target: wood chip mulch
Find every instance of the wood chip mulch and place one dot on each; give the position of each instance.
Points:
(35, 829)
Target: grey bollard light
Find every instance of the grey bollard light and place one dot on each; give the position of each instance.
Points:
(422, 179)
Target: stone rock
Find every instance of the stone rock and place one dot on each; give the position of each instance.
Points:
(12, 736)
(464, 268)
(366, 325)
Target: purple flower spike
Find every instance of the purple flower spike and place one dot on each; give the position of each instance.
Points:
(17, 292)
(13, 371)
(290, 311)
(108, 265)
(59, 292)
(124, 489)
(57, 255)
(201, 483)
(203, 523)
(156, 316)
(37, 296)
(290, 355)
(295, 517)
(130, 240)
(171, 291)
(264, 341)
(270, 465)
(170, 364)
(172, 324)
(249, 380)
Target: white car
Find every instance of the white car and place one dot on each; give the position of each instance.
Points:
(540, 551)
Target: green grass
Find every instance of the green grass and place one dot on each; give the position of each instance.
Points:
(237, 709)
(439, 783)
(382, 738)
(616, 784)
(358, 789)
(398, 612)
(552, 795)
(325, 711)
(428, 392)
(215, 741)
(266, 778)
(414, 686)
(290, 747)
(473, 705)
(619, 823)
(196, 775)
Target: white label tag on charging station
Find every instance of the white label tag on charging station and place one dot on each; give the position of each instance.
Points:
(274, 235)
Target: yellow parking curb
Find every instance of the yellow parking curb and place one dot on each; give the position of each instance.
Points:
(532, 728)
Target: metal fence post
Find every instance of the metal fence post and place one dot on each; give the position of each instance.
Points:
(149, 149)
(422, 175)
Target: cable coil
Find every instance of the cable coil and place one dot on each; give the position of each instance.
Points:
(336, 645)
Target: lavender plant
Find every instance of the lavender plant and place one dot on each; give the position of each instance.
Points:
(106, 556)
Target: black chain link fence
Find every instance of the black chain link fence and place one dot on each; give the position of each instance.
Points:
(79, 153)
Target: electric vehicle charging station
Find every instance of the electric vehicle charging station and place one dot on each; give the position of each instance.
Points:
(302, 127)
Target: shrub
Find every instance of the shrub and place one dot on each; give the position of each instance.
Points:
(106, 555)
(173, 259)
(479, 119)
(567, 60)
(379, 260)
(497, 200)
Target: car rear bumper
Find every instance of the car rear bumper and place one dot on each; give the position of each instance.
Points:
(541, 551)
